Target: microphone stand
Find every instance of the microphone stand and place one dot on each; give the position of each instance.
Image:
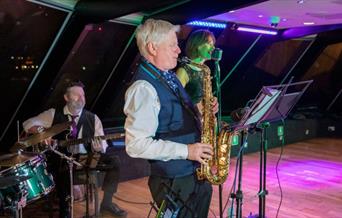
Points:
(218, 92)
(263, 157)
(71, 163)
(216, 56)
(238, 194)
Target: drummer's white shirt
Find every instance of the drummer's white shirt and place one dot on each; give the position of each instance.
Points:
(45, 120)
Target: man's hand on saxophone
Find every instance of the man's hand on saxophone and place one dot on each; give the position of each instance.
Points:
(200, 152)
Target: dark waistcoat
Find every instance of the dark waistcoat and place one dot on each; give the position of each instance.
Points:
(177, 122)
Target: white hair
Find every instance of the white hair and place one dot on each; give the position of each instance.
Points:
(154, 31)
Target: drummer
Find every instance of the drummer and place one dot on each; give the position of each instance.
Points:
(85, 124)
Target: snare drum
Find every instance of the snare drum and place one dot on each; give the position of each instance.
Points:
(40, 182)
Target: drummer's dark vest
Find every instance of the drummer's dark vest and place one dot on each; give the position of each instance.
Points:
(175, 123)
(86, 121)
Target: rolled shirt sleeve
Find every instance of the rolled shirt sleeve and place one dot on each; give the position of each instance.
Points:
(99, 132)
(43, 119)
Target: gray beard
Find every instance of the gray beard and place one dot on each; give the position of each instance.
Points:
(75, 106)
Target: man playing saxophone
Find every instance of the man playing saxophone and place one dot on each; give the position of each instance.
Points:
(162, 125)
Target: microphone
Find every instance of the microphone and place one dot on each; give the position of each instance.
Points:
(216, 55)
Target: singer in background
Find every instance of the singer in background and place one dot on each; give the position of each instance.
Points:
(199, 48)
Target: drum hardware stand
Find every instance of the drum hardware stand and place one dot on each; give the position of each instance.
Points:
(17, 207)
(18, 131)
(71, 163)
(17, 212)
(87, 167)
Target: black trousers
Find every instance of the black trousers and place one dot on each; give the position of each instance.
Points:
(111, 163)
(195, 195)
(108, 163)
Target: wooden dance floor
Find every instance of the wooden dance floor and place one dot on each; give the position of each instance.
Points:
(310, 174)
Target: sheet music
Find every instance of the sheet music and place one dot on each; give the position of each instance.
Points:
(263, 106)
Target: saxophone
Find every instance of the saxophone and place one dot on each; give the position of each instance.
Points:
(217, 168)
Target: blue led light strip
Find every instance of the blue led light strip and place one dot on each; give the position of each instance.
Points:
(207, 24)
(255, 30)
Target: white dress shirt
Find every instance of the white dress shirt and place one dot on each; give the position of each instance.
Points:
(45, 120)
(142, 107)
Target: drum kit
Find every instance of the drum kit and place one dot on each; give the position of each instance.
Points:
(23, 175)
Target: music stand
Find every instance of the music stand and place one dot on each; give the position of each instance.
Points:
(273, 103)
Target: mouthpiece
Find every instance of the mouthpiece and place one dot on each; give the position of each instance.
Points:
(184, 60)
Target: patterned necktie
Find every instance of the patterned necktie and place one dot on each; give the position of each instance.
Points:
(170, 78)
(73, 132)
(176, 86)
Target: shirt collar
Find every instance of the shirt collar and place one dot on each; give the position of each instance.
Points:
(67, 112)
(154, 67)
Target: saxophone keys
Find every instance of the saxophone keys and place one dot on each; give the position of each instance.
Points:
(223, 148)
(223, 161)
(222, 173)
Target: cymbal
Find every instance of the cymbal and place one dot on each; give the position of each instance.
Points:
(39, 137)
(9, 160)
(12, 180)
